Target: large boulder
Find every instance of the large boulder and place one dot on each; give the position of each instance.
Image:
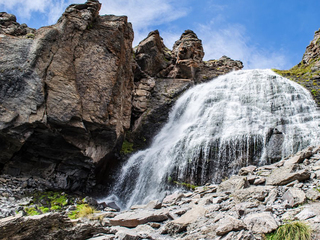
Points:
(65, 97)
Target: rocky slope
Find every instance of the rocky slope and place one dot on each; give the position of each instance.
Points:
(70, 94)
(307, 72)
(247, 206)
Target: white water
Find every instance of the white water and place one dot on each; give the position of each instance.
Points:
(217, 127)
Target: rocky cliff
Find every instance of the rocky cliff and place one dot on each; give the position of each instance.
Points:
(307, 72)
(65, 97)
(161, 75)
(70, 93)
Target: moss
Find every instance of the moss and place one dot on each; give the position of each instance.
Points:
(127, 147)
(31, 211)
(30, 35)
(82, 210)
(56, 208)
(44, 209)
(187, 185)
(291, 231)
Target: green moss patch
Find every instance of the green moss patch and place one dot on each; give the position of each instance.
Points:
(127, 147)
(82, 210)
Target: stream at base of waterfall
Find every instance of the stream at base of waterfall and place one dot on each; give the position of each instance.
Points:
(247, 117)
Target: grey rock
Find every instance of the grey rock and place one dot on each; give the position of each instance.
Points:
(133, 219)
(229, 224)
(305, 214)
(283, 176)
(262, 222)
(294, 197)
(232, 184)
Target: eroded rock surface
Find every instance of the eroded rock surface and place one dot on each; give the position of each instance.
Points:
(65, 97)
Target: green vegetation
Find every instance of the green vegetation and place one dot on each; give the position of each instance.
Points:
(82, 210)
(31, 211)
(291, 231)
(44, 209)
(46, 202)
(127, 147)
(187, 185)
(30, 35)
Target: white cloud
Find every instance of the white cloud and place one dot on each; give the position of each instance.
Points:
(24, 8)
(144, 15)
(233, 41)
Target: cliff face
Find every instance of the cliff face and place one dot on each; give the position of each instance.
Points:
(162, 75)
(70, 93)
(65, 96)
(307, 72)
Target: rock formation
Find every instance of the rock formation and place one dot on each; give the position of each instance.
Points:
(65, 97)
(307, 72)
(246, 206)
(9, 25)
(162, 75)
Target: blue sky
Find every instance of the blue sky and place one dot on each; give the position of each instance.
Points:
(261, 33)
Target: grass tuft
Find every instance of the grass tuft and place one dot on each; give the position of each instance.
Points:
(296, 230)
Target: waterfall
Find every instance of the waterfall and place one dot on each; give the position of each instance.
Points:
(244, 117)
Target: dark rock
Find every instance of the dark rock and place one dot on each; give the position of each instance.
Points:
(47, 226)
(66, 98)
(152, 55)
(113, 205)
(9, 25)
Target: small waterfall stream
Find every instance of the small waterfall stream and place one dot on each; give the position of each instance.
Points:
(244, 117)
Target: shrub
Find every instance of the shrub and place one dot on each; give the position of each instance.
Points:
(291, 231)
(82, 210)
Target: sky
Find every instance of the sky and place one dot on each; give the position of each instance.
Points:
(260, 33)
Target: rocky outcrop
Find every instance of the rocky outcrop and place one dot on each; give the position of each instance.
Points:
(224, 211)
(162, 75)
(9, 25)
(307, 72)
(65, 97)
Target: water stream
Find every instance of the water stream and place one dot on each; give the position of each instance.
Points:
(242, 118)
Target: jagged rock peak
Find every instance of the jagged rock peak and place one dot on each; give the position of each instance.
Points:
(313, 50)
(152, 55)
(9, 25)
(82, 15)
(188, 46)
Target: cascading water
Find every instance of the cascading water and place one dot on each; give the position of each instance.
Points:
(244, 117)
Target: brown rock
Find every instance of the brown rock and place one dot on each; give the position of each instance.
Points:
(152, 55)
(9, 25)
(188, 54)
(66, 97)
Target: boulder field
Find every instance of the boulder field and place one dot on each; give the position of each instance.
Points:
(246, 206)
